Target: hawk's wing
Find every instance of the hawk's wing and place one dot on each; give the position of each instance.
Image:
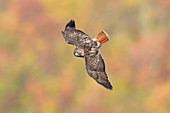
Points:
(72, 35)
(95, 67)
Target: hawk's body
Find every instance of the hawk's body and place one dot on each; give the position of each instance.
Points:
(88, 49)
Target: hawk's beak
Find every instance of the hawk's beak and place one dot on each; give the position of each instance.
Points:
(101, 38)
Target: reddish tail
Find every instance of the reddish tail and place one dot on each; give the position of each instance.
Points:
(101, 38)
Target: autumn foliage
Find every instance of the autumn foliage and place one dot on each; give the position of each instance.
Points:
(40, 74)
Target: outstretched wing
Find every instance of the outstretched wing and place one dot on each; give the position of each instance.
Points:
(72, 35)
(95, 67)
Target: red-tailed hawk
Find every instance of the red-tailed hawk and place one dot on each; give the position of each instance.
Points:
(88, 49)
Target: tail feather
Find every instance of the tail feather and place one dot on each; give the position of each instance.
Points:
(70, 24)
(101, 38)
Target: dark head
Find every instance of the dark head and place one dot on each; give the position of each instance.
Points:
(70, 24)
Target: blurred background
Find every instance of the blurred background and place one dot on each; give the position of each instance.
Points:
(39, 73)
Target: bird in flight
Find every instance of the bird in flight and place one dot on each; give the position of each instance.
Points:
(88, 49)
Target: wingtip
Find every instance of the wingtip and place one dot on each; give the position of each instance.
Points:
(109, 86)
(72, 20)
(70, 24)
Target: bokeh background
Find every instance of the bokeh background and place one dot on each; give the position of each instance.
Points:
(39, 73)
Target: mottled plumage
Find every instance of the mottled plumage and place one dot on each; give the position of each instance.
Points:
(89, 50)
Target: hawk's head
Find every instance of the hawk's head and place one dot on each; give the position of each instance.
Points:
(78, 52)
